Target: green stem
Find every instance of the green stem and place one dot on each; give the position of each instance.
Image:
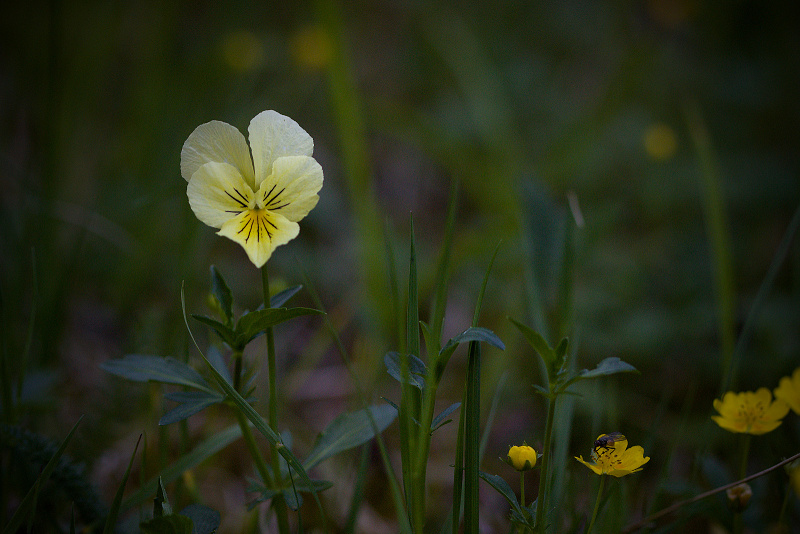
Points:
(280, 504)
(597, 503)
(252, 447)
(522, 488)
(738, 519)
(548, 435)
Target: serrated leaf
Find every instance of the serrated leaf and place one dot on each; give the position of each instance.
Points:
(416, 369)
(167, 524)
(437, 421)
(206, 520)
(502, 487)
(254, 323)
(191, 402)
(222, 293)
(143, 368)
(538, 343)
(281, 298)
(225, 332)
(349, 430)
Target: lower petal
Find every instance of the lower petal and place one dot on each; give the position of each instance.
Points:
(260, 232)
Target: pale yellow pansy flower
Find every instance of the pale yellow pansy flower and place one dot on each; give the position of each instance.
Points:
(749, 412)
(256, 201)
(615, 458)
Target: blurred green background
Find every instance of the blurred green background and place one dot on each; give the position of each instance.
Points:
(630, 108)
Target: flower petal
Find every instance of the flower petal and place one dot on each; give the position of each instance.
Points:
(216, 141)
(272, 136)
(292, 188)
(597, 469)
(217, 192)
(260, 232)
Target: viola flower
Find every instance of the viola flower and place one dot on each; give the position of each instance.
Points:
(788, 390)
(256, 201)
(616, 459)
(750, 412)
(522, 457)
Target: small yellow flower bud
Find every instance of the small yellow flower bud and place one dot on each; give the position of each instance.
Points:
(522, 457)
(738, 497)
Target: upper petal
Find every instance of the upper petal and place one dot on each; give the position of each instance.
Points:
(217, 192)
(220, 142)
(292, 188)
(260, 232)
(272, 136)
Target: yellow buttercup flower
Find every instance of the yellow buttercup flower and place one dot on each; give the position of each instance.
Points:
(749, 412)
(614, 457)
(788, 390)
(256, 201)
(522, 457)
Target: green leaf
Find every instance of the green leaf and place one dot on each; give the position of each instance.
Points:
(439, 419)
(473, 333)
(111, 520)
(281, 298)
(416, 369)
(161, 505)
(28, 505)
(191, 402)
(225, 332)
(249, 412)
(349, 430)
(538, 343)
(205, 519)
(205, 450)
(222, 293)
(476, 333)
(502, 487)
(254, 323)
(142, 368)
(215, 357)
(167, 524)
(294, 499)
(609, 366)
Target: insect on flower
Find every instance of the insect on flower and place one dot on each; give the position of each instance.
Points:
(606, 441)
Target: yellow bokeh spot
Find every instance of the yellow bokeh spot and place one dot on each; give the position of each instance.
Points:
(243, 51)
(311, 47)
(660, 141)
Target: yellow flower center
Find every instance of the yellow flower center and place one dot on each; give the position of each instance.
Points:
(608, 458)
(256, 225)
(751, 414)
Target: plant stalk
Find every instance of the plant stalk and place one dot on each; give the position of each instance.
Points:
(541, 520)
(597, 503)
(281, 510)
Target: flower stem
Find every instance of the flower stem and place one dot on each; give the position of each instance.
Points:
(738, 520)
(281, 510)
(597, 503)
(540, 497)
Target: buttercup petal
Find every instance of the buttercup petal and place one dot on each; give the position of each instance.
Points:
(292, 188)
(260, 232)
(597, 469)
(217, 192)
(272, 136)
(216, 141)
(788, 390)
